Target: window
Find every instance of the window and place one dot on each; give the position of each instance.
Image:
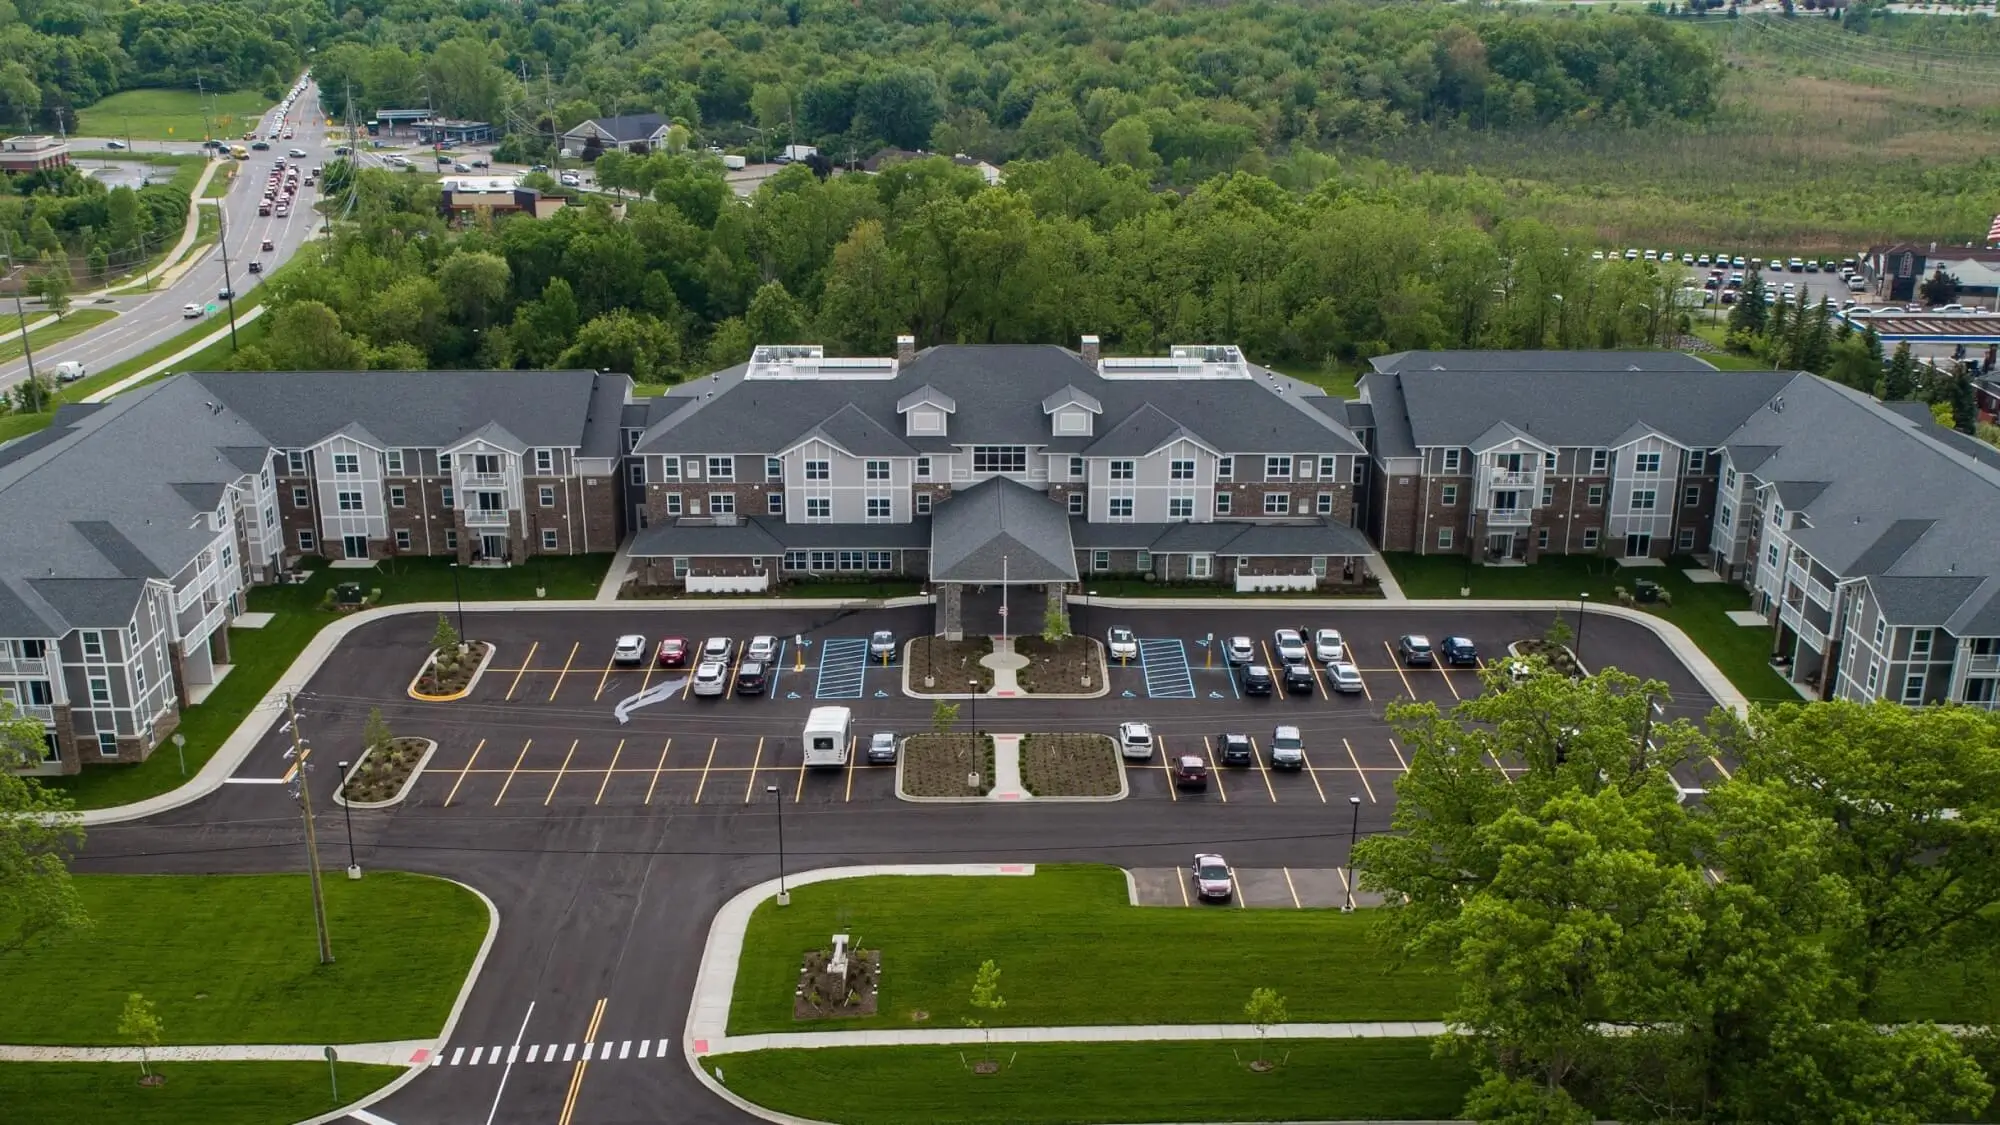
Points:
(924, 504)
(1549, 462)
(486, 464)
(1360, 471)
(139, 678)
(881, 560)
(673, 503)
(721, 503)
(1278, 467)
(1595, 497)
(545, 461)
(547, 495)
(819, 508)
(1076, 503)
(680, 569)
(346, 464)
(295, 462)
(1277, 503)
(1180, 508)
(100, 691)
(923, 468)
(270, 516)
(632, 439)
(878, 470)
(1777, 515)
(301, 498)
(451, 539)
(1590, 539)
(1729, 480)
(549, 539)
(348, 501)
(1100, 560)
(1600, 460)
(1222, 503)
(1697, 460)
(1225, 467)
(774, 504)
(1144, 563)
(306, 541)
(1200, 566)
(1548, 495)
(444, 462)
(402, 539)
(670, 468)
(1323, 504)
(1643, 499)
(1448, 495)
(1685, 541)
(1124, 470)
(1451, 460)
(1874, 676)
(1328, 467)
(1646, 463)
(853, 560)
(1727, 515)
(999, 459)
(1920, 644)
(878, 507)
(1121, 507)
(447, 497)
(722, 468)
(1180, 469)
(794, 560)
(397, 497)
(1913, 688)
(636, 474)
(819, 470)
(1771, 555)
(93, 644)
(393, 462)
(107, 744)
(1444, 539)
(1691, 496)
(1541, 539)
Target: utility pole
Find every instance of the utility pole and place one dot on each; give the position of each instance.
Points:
(21, 314)
(300, 756)
(201, 95)
(228, 286)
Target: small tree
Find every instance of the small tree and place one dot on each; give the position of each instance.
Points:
(1055, 621)
(986, 997)
(1559, 633)
(1265, 1008)
(1940, 288)
(55, 284)
(944, 716)
(375, 733)
(141, 1025)
(445, 640)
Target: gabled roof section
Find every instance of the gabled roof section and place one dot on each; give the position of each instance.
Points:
(92, 603)
(1798, 495)
(1896, 541)
(1000, 528)
(926, 395)
(856, 434)
(1069, 395)
(249, 458)
(1501, 433)
(1538, 361)
(1922, 602)
(492, 433)
(358, 432)
(408, 409)
(202, 495)
(1145, 430)
(1747, 458)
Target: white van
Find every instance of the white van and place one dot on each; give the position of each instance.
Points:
(69, 371)
(734, 163)
(828, 730)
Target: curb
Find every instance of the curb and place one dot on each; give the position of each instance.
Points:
(401, 792)
(461, 693)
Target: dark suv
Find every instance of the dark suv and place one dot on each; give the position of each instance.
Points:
(1256, 680)
(1299, 680)
(1235, 750)
(750, 678)
(1415, 649)
(1460, 652)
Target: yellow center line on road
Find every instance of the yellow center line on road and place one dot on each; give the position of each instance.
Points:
(613, 768)
(705, 768)
(469, 763)
(656, 770)
(1296, 904)
(1352, 757)
(1396, 662)
(565, 670)
(560, 771)
(754, 763)
(502, 795)
(852, 742)
(1277, 681)
(1312, 773)
(582, 1064)
(526, 661)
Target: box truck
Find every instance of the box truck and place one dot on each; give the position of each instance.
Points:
(827, 733)
(734, 163)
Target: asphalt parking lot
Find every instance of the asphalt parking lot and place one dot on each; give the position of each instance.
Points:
(1273, 888)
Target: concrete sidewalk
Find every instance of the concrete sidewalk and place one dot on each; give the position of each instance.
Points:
(147, 372)
(400, 1052)
(1108, 1033)
(171, 267)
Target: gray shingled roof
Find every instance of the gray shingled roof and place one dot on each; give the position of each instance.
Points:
(1921, 602)
(926, 395)
(1538, 361)
(858, 434)
(409, 409)
(995, 520)
(1068, 395)
(1145, 430)
(1697, 408)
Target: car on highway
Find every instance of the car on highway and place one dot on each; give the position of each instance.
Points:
(629, 649)
(1460, 652)
(1235, 750)
(256, 267)
(1190, 772)
(1290, 645)
(1135, 741)
(571, 179)
(260, 146)
(69, 371)
(1288, 749)
(1344, 678)
(750, 677)
(115, 146)
(190, 311)
(1212, 882)
(1240, 650)
(882, 748)
(296, 154)
(225, 294)
(1256, 679)
(267, 245)
(1414, 649)
(882, 646)
(1300, 681)
(672, 653)
(1122, 643)
(719, 649)
(479, 164)
(288, 136)
(460, 166)
(1329, 646)
(711, 678)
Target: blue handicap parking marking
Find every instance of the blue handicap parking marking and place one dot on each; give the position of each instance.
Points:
(791, 695)
(1215, 695)
(1164, 662)
(843, 666)
(880, 694)
(1130, 694)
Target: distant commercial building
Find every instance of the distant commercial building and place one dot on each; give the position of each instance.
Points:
(32, 154)
(450, 131)
(634, 132)
(396, 120)
(495, 195)
(1901, 270)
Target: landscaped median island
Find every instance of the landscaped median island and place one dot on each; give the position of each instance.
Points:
(937, 765)
(941, 667)
(1071, 665)
(193, 1093)
(1071, 765)
(1037, 1083)
(386, 766)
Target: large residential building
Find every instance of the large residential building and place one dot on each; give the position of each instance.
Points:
(134, 526)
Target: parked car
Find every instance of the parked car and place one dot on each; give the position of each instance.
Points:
(1256, 679)
(1190, 772)
(673, 652)
(750, 677)
(1212, 882)
(1344, 677)
(1300, 681)
(882, 748)
(1460, 652)
(763, 647)
(629, 649)
(570, 179)
(1135, 741)
(1240, 650)
(1121, 643)
(1290, 645)
(1328, 646)
(1414, 649)
(1288, 750)
(882, 646)
(1234, 750)
(718, 649)
(712, 678)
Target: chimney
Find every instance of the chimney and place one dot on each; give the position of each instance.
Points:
(1089, 350)
(906, 348)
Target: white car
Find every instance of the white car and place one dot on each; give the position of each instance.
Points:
(1122, 644)
(711, 678)
(1328, 646)
(1290, 645)
(1240, 650)
(763, 649)
(630, 649)
(297, 154)
(1344, 677)
(1135, 741)
(190, 312)
(717, 649)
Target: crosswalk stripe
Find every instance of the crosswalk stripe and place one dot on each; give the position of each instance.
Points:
(569, 1051)
(644, 1045)
(586, 1051)
(513, 1053)
(493, 1056)
(663, 1048)
(625, 1049)
(533, 1050)
(456, 1054)
(476, 1052)
(550, 1054)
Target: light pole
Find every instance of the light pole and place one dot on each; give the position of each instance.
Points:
(180, 749)
(972, 709)
(1582, 600)
(1353, 834)
(459, 597)
(784, 896)
(347, 814)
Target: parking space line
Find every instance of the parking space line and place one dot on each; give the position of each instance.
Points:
(1396, 662)
(1318, 682)
(1180, 877)
(843, 668)
(560, 771)
(777, 669)
(1446, 673)
(1314, 774)
(1214, 767)
(526, 662)
(1277, 679)
(1262, 771)
(1353, 757)
(565, 669)
(1167, 772)
(1503, 769)
(603, 678)
(523, 756)
(662, 764)
(754, 763)
(469, 763)
(1296, 904)
(1717, 762)
(851, 742)
(1365, 693)
(602, 785)
(703, 784)
(1400, 760)
(729, 691)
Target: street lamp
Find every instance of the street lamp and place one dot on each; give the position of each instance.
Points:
(784, 896)
(1353, 834)
(972, 710)
(347, 814)
(458, 597)
(180, 749)
(1582, 600)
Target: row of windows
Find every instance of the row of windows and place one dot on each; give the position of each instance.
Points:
(1601, 460)
(1643, 499)
(349, 464)
(819, 561)
(1682, 542)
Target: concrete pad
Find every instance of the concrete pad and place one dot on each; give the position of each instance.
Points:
(1702, 576)
(353, 564)
(251, 620)
(1319, 886)
(1749, 618)
(1265, 887)
(1161, 886)
(1640, 564)
(199, 692)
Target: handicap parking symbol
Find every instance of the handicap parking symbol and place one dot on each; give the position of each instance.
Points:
(791, 695)
(880, 694)
(1128, 694)
(1215, 695)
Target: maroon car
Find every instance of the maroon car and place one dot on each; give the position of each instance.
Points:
(1190, 772)
(673, 652)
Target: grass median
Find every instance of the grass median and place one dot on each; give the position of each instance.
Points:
(1072, 952)
(45, 333)
(234, 959)
(195, 1093)
(1050, 1083)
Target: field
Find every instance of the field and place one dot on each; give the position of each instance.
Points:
(171, 115)
(207, 1093)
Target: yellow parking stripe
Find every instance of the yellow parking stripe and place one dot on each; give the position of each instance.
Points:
(565, 670)
(704, 770)
(656, 770)
(1352, 757)
(1277, 681)
(560, 771)
(603, 678)
(1296, 904)
(523, 670)
(469, 762)
(852, 742)
(1312, 773)
(502, 795)
(1396, 662)
(754, 763)
(617, 750)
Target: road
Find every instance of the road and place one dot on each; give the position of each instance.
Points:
(147, 320)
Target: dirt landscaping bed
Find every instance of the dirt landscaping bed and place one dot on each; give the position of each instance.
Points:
(949, 664)
(935, 765)
(1559, 657)
(1071, 765)
(382, 772)
(1062, 667)
(447, 673)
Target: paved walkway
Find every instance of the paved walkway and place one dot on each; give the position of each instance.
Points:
(1110, 1033)
(614, 578)
(1007, 769)
(14, 333)
(401, 1052)
(1392, 590)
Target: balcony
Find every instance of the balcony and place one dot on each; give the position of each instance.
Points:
(487, 517)
(203, 580)
(197, 635)
(482, 480)
(24, 666)
(42, 712)
(1974, 664)
(1511, 476)
(1509, 517)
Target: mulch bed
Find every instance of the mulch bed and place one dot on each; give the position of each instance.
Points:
(949, 664)
(449, 673)
(1559, 657)
(1059, 668)
(935, 765)
(1071, 765)
(381, 773)
(821, 995)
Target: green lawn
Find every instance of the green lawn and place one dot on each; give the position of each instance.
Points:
(1318, 1079)
(1741, 652)
(233, 959)
(205, 1093)
(172, 115)
(260, 656)
(1072, 952)
(75, 323)
(1338, 383)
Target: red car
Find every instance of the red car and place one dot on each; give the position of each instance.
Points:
(673, 652)
(1190, 772)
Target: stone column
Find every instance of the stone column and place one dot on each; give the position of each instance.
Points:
(950, 611)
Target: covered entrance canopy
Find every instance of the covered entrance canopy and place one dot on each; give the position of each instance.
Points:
(1002, 533)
